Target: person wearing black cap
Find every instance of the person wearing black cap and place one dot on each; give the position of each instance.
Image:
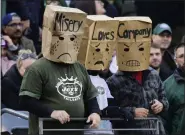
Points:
(162, 37)
(12, 30)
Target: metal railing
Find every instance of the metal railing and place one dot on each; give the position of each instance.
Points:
(41, 129)
(41, 120)
(14, 113)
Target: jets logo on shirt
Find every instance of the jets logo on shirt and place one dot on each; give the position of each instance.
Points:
(69, 88)
(101, 90)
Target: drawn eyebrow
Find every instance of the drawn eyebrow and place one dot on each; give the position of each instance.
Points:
(107, 45)
(56, 34)
(140, 45)
(97, 45)
(74, 35)
(126, 45)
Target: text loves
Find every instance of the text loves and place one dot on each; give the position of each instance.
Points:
(104, 36)
(66, 24)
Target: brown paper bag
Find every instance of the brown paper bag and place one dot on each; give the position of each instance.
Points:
(134, 40)
(62, 33)
(98, 42)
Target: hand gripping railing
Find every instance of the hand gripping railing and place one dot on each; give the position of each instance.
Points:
(41, 130)
(14, 113)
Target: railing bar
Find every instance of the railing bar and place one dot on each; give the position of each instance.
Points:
(14, 113)
(141, 129)
(83, 119)
(128, 129)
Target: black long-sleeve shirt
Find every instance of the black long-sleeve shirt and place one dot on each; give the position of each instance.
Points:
(34, 106)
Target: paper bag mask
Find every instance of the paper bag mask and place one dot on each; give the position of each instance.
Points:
(98, 42)
(134, 40)
(62, 33)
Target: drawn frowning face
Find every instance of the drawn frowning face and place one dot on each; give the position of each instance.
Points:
(99, 55)
(65, 47)
(133, 56)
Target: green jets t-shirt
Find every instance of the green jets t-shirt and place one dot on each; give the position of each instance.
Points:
(59, 86)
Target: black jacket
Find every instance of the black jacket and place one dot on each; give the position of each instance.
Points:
(168, 65)
(10, 87)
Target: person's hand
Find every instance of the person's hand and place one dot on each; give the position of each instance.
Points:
(62, 116)
(8, 40)
(141, 112)
(157, 107)
(95, 118)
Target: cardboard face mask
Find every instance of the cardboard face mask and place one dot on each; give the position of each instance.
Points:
(62, 33)
(134, 40)
(99, 42)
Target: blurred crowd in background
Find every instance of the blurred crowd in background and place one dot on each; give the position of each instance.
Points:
(21, 28)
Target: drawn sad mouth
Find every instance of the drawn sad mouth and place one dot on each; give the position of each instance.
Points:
(132, 63)
(65, 54)
(99, 62)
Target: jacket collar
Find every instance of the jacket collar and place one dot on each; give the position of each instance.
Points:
(178, 75)
(129, 74)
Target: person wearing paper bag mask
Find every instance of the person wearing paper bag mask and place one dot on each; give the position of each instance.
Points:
(56, 85)
(136, 88)
(95, 53)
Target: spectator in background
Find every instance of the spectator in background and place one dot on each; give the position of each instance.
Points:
(95, 7)
(155, 57)
(18, 7)
(174, 87)
(6, 63)
(12, 27)
(162, 37)
(12, 80)
(111, 10)
(125, 7)
(91, 7)
(30, 12)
